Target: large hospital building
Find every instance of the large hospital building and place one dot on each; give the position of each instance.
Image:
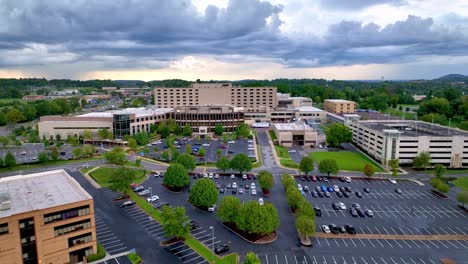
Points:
(47, 218)
(202, 106)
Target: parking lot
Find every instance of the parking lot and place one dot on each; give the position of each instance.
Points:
(28, 152)
(227, 149)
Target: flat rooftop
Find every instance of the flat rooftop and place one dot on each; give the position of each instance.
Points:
(39, 191)
(410, 128)
(338, 101)
(296, 126)
(308, 109)
(138, 112)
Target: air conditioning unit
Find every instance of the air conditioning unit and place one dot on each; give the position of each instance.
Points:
(5, 205)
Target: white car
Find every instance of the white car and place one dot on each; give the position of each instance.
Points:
(342, 206)
(144, 192)
(233, 176)
(231, 142)
(34, 158)
(216, 176)
(326, 229)
(392, 181)
(244, 176)
(250, 141)
(252, 185)
(260, 201)
(153, 198)
(205, 144)
(347, 179)
(234, 185)
(23, 152)
(210, 176)
(253, 191)
(336, 188)
(299, 187)
(320, 146)
(211, 208)
(205, 175)
(292, 151)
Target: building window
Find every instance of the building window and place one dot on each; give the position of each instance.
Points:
(4, 229)
(65, 229)
(66, 214)
(78, 240)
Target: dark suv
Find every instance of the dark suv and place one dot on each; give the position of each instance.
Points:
(318, 211)
(350, 229)
(219, 249)
(334, 229)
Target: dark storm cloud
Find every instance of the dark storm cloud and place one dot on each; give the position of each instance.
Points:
(357, 4)
(149, 34)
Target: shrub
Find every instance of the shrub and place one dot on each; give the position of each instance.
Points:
(101, 253)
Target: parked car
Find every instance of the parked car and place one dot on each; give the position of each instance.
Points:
(193, 225)
(244, 176)
(306, 188)
(348, 179)
(234, 185)
(325, 179)
(323, 188)
(234, 191)
(339, 194)
(144, 192)
(219, 249)
(240, 191)
(369, 213)
(342, 206)
(216, 176)
(314, 178)
(346, 194)
(341, 229)
(253, 192)
(222, 190)
(260, 201)
(360, 212)
(350, 229)
(23, 152)
(138, 188)
(247, 186)
(159, 205)
(348, 189)
(314, 194)
(327, 194)
(399, 191)
(233, 176)
(292, 151)
(356, 205)
(392, 181)
(320, 194)
(366, 190)
(252, 185)
(299, 187)
(335, 206)
(318, 211)
(308, 178)
(353, 212)
(359, 194)
(212, 208)
(127, 204)
(153, 198)
(228, 186)
(334, 229)
(326, 229)
(330, 189)
(210, 176)
(336, 188)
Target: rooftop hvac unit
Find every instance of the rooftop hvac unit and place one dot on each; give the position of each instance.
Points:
(5, 205)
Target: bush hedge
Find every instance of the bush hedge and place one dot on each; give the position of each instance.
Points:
(101, 253)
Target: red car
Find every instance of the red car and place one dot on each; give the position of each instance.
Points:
(314, 178)
(222, 146)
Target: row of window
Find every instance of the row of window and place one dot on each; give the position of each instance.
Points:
(66, 214)
(4, 229)
(81, 239)
(65, 229)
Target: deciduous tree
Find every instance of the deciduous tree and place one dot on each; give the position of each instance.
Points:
(43, 157)
(328, 166)
(439, 170)
(223, 164)
(174, 221)
(338, 134)
(187, 161)
(54, 154)
(265, 180)
(228, 209)
(422, 160)
(258, 219)
(115, 156)
(176, 177)
(368, 170)
(203, 193)
(241, 163)
(77, 152)
(187, 131)
(10, 160)
(219, 129)
(305, 225)
(306, 165)
(462, 197)
(132, 143)
(251, 258)
(104, 134)
(121, 179)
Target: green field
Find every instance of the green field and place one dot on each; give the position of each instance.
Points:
(284, 157)
(272, 135)
(347, 160)
(461, 182)
(103, 174)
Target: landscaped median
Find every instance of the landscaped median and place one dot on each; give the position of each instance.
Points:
(284, 157)
(346, 160)
(198, 247)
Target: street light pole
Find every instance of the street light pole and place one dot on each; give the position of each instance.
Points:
(212, 241)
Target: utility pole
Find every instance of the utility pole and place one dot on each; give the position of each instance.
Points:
(212, 241)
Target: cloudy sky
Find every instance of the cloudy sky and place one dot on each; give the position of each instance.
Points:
(233, 39)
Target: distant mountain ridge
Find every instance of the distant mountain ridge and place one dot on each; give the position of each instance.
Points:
(452, 78)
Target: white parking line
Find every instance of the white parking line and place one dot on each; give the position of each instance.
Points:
(113, 246)
(117, 249)
(110, 238)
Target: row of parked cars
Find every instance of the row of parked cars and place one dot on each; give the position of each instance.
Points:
(324, 191)
(355, 209)
(235, 188)
(316, 178)
(334, 229)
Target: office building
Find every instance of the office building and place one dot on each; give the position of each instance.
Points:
(338, 106)
(45, 217)
(295, 134)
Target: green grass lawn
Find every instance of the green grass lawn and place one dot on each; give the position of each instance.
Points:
(272, 135)
(461, 182)
(103, 174)
(347, 160)
(282, 152)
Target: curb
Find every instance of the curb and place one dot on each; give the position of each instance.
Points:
(395, 237)
(256, 243)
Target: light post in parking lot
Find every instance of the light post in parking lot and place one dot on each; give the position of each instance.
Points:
(151, 191)
(212, 241)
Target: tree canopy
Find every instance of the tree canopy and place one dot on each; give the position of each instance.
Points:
(187, 161)
(328, 166)
(251, 258)
(338, 134)
(368, 170)
(305, 225)
(115, 156)
(241, 163)
(422, 160)
(306, 165)
(176, 176)
(439, 170)
(228, 209)
(10, 160)
(258, 219)
(203, 193)
(219, 129)
(265, 180)
(223, 164)
(121, 179)
(174, 221)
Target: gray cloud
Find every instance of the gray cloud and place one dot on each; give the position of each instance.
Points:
(357, 4)
(150, 34)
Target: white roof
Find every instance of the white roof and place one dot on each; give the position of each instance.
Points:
(339, 101)
(298, 126)
(139, 112)
(308, 109)
(40, 191)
